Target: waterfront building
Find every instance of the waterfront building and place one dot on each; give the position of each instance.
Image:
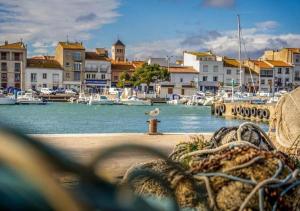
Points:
(97, 73)
(118, 51)
(283, 74)
(71, 56)
(12, 64)
(265, 73)
(117, 68)
(43, 72)
(232, 73)
(183, 81)
(211, 75)
(288, 55)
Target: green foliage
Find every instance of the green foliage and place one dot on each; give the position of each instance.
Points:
(125, 79)
(149, 74)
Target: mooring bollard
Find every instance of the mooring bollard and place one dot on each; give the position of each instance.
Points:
(152, 126)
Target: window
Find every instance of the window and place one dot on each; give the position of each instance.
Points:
(3, 56)
(67, 64)
(182, 91)
(88, 76)
(170, 91)
(55, 78)
(93, 76)
(77, 56)
(77, 66)
(116, 78)
(17, 56)
(103, 76)
(44, 75)
(287, 70)
(279, 70)
(17, 77)
(237, 72)
(266, 73)
(205, 68)
(262, 81)
(216, 68)
(17, 67)
(33, 77)
(228, 71)
(44, 85)
(67, 75)
(215, 78)
(4, 66)
(181, 80)
(76, 76)
(4, 76)
(204, 78)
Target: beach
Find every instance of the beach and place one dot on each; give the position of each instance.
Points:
(84, 147)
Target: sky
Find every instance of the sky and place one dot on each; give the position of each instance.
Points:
(153, 28)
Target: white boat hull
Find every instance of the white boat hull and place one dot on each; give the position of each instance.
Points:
(31, 102)
(7, 101)
(137, 103)
(101, 102)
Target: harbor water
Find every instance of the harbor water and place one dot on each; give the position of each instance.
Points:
(65, 118)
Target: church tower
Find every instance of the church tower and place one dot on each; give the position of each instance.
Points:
(118, 52)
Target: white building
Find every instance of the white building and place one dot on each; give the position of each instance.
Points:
(283, 74)
(232, 72)
(211, 74)
(183, 81)
(97, 73)
(43, 72)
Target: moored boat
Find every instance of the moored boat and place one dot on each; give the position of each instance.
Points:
(7, 100)
(134, 101)
(100, 100)
(28, 99)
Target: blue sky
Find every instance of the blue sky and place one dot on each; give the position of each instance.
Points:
(152, 27)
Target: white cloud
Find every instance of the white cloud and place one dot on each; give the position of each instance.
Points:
(223, 43)
(219, 3)
(267, 25)
(50, 21)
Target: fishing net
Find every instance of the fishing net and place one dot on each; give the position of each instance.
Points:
(238, 168)
(285, 124)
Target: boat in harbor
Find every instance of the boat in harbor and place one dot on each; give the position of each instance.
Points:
(29, 99)
(100, 100)
(7, 100)
(134, 101)
(83, 99)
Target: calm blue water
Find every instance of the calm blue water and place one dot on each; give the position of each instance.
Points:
(57, 118)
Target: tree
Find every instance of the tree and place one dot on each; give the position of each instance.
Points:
(124, 79)
(149, 74)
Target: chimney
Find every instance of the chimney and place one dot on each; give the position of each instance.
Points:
(6, 42)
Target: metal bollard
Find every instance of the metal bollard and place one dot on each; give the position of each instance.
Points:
(152, 126)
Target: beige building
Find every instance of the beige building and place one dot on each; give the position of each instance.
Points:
(71, 56)
(13, 64)
(288, 55)
(118, 52)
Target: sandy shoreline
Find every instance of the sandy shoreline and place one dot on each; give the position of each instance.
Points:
(83, 148)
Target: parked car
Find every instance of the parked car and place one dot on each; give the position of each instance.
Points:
(60, 90)
(70, 91)
(48, 91)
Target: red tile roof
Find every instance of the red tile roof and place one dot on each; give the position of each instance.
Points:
(95, 56)
(72, 45)
(182, 70)
(17, 46)
(43, 63)
(276, 63)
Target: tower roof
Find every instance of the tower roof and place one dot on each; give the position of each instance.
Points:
(119, 42)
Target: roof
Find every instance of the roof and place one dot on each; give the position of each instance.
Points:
(137, 64)
(201, 54)
(228, 62)
(277, 63)
(122, 66)
(17, 45)
(119, 42)
(72, 45)
(182, 70)
(43, 63)
(95, 56)
(261, 64)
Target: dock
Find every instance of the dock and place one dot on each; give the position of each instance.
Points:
(244, 110)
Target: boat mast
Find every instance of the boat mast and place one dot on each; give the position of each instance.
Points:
(240, 50)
